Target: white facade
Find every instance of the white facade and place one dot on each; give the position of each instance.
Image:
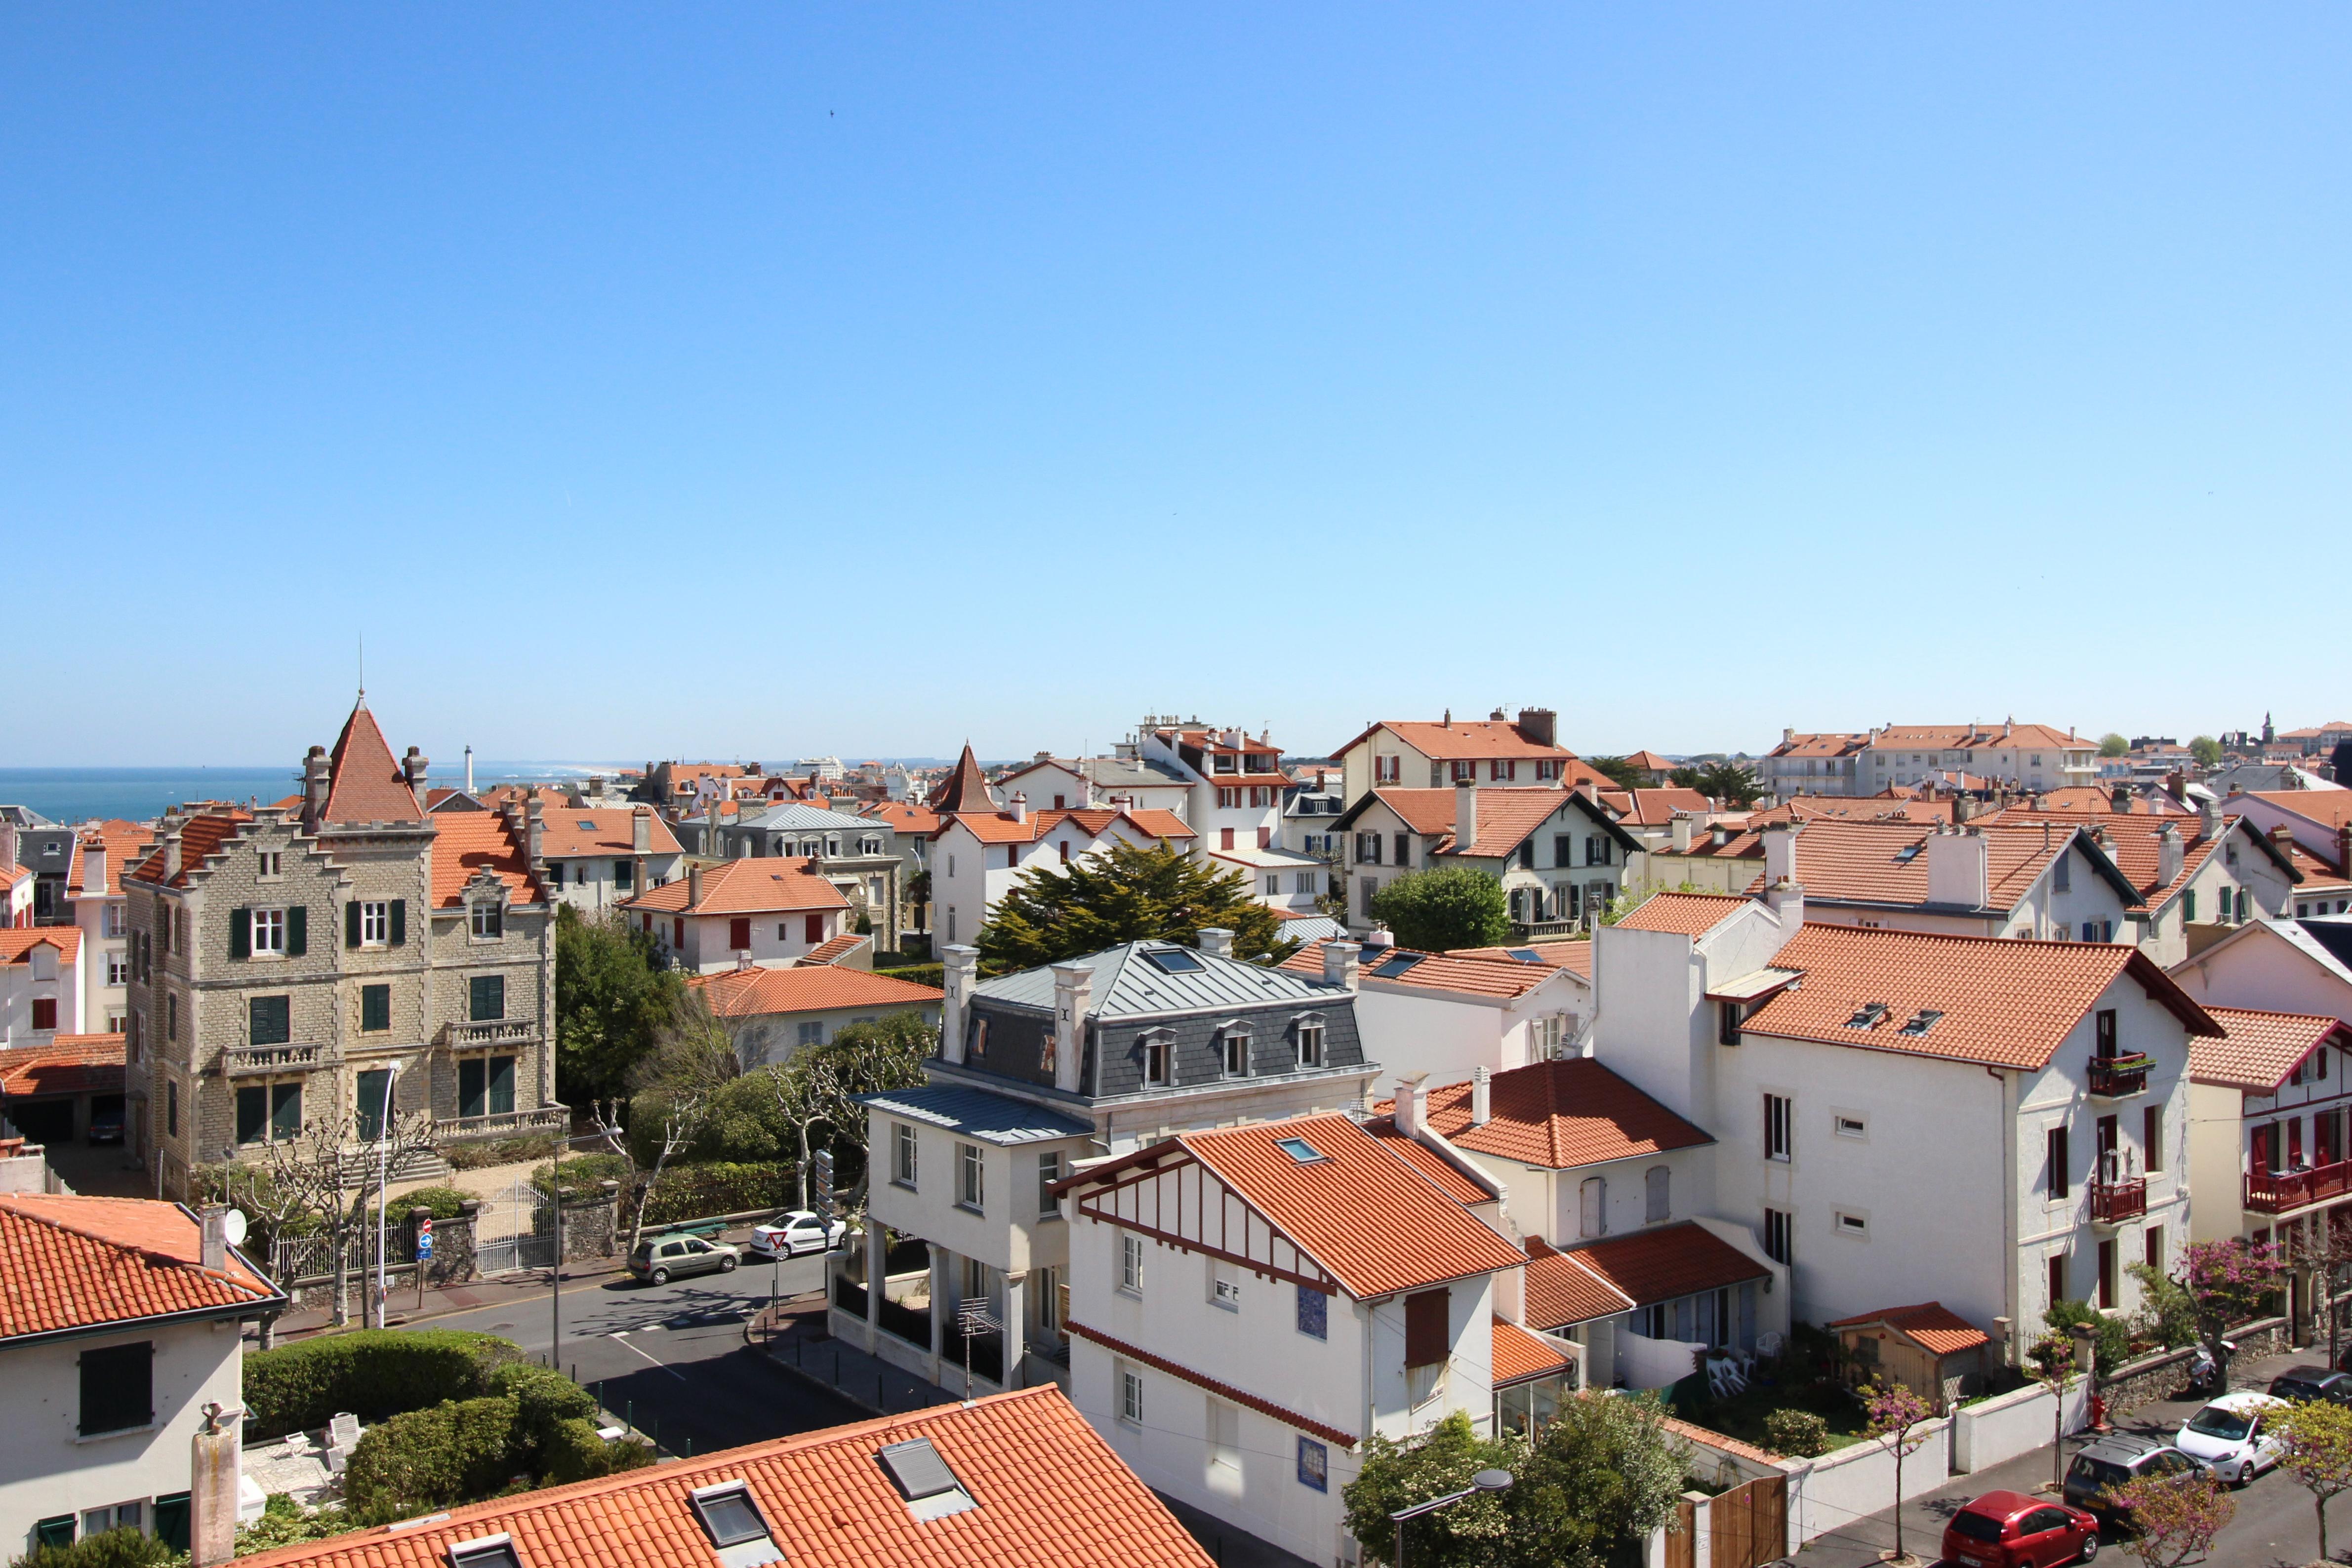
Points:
(40, 980)
(1449, 1034)
(707, 943)
(101, 913)
(970, 874)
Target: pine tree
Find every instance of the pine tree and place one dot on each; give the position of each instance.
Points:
(1127, 893)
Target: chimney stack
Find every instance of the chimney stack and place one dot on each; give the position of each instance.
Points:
(1682, 833)
(1216, 942)
(1074, 987)
(743, 962)
(214, 1251)
(1786, 899)
(693, 885)
(214, 1470)
(171, 849)
(1481, 1095)
(1339, 962)
(1540, 725)
(1411, 1103)
(2119, 800)
(1466, 818)
(316, 772)
(1020, 807)
(7, 842)
(641, 829)
(534, 827)
(2209, 816)
(413, 767)
(2168, 855)
(1959, 868)
(961, 965)
(1780, 853)
(93, 868)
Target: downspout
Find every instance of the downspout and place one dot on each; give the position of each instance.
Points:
(2013, 1352)
(1364, 1317)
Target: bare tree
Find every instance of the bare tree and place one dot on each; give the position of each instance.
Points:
(682, 1114)
(313, 1172)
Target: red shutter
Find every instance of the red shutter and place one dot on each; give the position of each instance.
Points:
(678, 933)
(1266, 838)
(1225, 838)
(814, 929)
(1425, 1328)
(739, 934)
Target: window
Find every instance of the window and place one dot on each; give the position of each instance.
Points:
(1314, 1316)
(1779, 1129)
(625, 875)
(1049, 1171)
(1405, 849)
(486, 1086)
(484, 1551)
(45, 1012)
(1547, 768)
(1228, 799)
(812, 929)
(2105, 1026)
(1847, 1125)
(813, 1032)
(729, 1515)
(115, 925)
(1130, 1396)
(2188, 906)
(113, 1515)
(1776, 1234)
(2054, 1171)
(1426, 1340)
(268, 1021)
(1314, 1465)
(902, 1154)
(2154, 1238)
(485, 997)
(969, 1175)
(171, 1110)
(1158, 1058)
(1501, 769)
(1224, 1435)
(1657, 1200)
(739, 934)
(1310, 1042)
(376, 924)
(172, 1017)
(1592, 1206)
(1371, 887)
(1234, 1046)
(2151, 1139)
(371, 1102)
(489, 921)
(375, 1008)
(1729, 1016)
(269, 932)
(1130, 1264)
(269, 863)
(1225, 1286)
(2060, 879)
(1273, 884)
(118, 969)
(118, 1388)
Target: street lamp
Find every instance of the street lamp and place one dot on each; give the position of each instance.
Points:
(1484, 1482)
(383, 1158)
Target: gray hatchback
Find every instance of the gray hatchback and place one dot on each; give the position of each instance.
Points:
(661, 1259)
(2115, 1459)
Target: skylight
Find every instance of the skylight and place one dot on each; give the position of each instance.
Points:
(1298, 1149)
(587, 827)
(1174, 960)
(735, 1525)
(923, 1479)
(1909, 852)
(1525, 954)
(1396, 964)
(1870, 1015)
(1921, 1022)
(486, 1551)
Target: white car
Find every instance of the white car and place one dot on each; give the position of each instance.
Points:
(799, 1231)
(2232, 1436)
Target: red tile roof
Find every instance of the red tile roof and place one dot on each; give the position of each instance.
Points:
(2332, 807)
(1650, 761)
(123, 842)
(1656, 808)
(1575, 957)
(466, 843)
(1049, 1491)
(1669, 1261)
(834, 949)
(18, 942)
(1686, 913)
(745, 887)
(1507, 815)
(71, 1262)
(1478, 739)
(744, 993)
(1561, 1290)
(1370, 1219)
(1826, 743)
(965, 787)
(1559, 1114)
(365, 784)
(1451, 1180)
(68, 1064)
(1933, 1326)
(569, 831)
(1841, 860)
(1959, 737)
(1520, 1358)
(2005, 1002)
(1501, 977)
(905, 817)
(2092, 799)
(999, 828)
(200, 836)
(2259, 1049)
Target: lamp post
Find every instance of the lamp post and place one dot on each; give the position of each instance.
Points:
(382, 1159)
(1484, 1482)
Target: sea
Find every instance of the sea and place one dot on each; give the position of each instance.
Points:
(142, 794)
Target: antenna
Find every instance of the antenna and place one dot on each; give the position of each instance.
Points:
(363, 664)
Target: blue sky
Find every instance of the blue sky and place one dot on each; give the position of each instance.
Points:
(768, 380)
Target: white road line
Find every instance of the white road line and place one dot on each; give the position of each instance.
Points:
(623, 1339)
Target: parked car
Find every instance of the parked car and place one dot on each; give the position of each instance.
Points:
(2313, 1383)
(106, 1122)
(2229, 1436)
(799, 1231)
(2112, 1461)
(660, 1259)
(2011, 1529)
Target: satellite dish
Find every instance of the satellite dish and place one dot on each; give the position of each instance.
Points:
(235, 1226)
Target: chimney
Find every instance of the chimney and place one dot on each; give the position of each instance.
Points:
(1465, 817)
(1788, 735)
(2209, 816)
(1785, 900)
(1020, 807)
(1540, 725)
(743, 962)
(641, 830)
(7, 842)
(2283, 841)
(1411, 1103)
(470, 771)
(413, 767)
(317, 771)
(1959, 868)
(1074, 987)
(170, 850)
(693, 885)
(1682, 832)
(1481, 1095)
(2119, 800)
(1780, 853)
(534, 826)
(93, 868)
(2168, 855)
(961, 965)
(1216, 942)
(2344, 849)
(214, 1470)
(214, 1252)
(1339, 962)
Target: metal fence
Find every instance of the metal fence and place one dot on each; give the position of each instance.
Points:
(301, 1258)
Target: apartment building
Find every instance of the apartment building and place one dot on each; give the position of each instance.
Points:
(1495, 751)
(1560, 855)
(2016, 756)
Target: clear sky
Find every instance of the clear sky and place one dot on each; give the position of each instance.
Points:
(780, 379)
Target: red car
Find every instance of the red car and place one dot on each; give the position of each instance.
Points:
(2011, 1529)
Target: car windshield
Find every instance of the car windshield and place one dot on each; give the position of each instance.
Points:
(2096, 1474)
(2295, 1388)
(2215, 1422)
(1976, 1526)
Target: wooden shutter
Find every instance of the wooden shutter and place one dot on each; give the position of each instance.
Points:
(298, 930)
(352, 923)
(1425, 1328)
(399, 922)
(240, 932)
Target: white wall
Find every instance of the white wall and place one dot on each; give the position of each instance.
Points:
(599, 891)
(768, 1039)
(40, 975)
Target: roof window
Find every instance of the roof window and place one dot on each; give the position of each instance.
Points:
(484, 1551)
(1870, 1015)
(1299, 1149)
(1922, 1021)
(587, 827)
(1524, 954)
(924, 1480)
(735, 1525)
(1174, 960)
(1396, 964)
(1909, 852)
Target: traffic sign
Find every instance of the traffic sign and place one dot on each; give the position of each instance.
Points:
(822, 1162)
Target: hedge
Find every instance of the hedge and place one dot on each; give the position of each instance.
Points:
(374, 1373)
(697, 1192)
(451, 1452)
(933, 975)
(129, 1547)
(442, 1202)
(582, 1174)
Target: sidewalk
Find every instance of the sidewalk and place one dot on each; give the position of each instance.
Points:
(405, 1307)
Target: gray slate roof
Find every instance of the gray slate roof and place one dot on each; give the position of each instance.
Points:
(796, 816)
(1109, 772)
(975, 1113)
(1127, 984)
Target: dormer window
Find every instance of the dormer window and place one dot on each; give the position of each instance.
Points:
(735, 1525)
(1310, 1037)
(1234, 1046)
(1870, 1015)
(1158, 1058)
(1921, 1022)
(488, 921)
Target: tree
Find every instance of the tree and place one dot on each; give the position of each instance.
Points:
(1733, 783)
(1127, 893)
(1437, 911)
(2112, 744)
(613, 1000)
(2051, 1362)
(332, 1156)
(1603, 1474)
(2175, 1518)
(2317, 1434)
(2166, 1314)
(815, 1093)
(1619, 771)
(1895, 1414)
(2226, 1282)
(2206, 750)
(1396, 1475)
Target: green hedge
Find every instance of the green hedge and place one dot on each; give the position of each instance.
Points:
(372, 1373)
(697, 1192)
(582, 1174)
(544, 1399)
(125, 1547)
(935, 975)
(448, 1453)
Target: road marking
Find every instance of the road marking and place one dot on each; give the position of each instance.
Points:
(622, 1336)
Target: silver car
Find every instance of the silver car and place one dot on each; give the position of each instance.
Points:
(658, 1259)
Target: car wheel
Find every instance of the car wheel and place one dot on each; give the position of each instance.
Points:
(727, 1264)
(2090, 1547)
(658, 1277)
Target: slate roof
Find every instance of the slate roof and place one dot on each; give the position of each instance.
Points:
(1126, 984)
(997, 1119)
(73, 1262)
(797, 816)
(1559, 1114)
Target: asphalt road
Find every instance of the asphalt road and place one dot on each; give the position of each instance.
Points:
(672, 1357)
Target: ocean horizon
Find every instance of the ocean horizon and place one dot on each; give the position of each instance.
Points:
(142, 794)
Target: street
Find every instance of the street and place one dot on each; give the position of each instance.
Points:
(672, 1357)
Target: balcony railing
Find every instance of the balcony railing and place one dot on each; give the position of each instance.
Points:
(2114, 1077)
(1537, 930)
(2276, 1192)
(499, 1032)
(2113, 1202)
(549, 1119)
(243, 1061)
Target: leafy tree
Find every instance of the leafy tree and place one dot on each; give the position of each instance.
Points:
(129, 1547)
(1395, 1475)
(2113, 1334)
(1603, 1474)
(1895, 1414)
(1127, 893)
(2112, 744)
(2317, 1434)
(612, 999)
(1619, 771)
(2206, 750)
(1733, 783)
(1453, 906)
(2174, 1519)
(814, 1096)
(2166, 1315)
(2226, 1282)
(2051, 1362)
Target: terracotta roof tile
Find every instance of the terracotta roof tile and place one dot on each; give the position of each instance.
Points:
(1669, 1261)
(745, 887)
(1826, 743)
(569, 831)
(1048, 1490)
(1561, 1290)
(1452, 1182)
(1469, 738)
(1687, 913)
(905, 817)
(1502, 978)
(2331, 807)
(834, 949)
(1559, 1114)
(1940, 1330)
(123, 842)
(2259, 1049)
(744, 993)
(466, 843)
(365, 785)
(1842, 861)
(999, 828)
(1656, 808)
(1520, 1358)
(2003, 1001)
(18, 942)
(1575, 957)
(1650, 761)
(201, 836)
(69, 1263)
(68, 1064)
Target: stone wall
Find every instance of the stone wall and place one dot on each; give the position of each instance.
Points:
(591, 1225)
(2161, 1374)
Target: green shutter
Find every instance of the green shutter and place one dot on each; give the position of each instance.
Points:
(172, 1521)
(399, 922)
(352, 923)
(298, 931)
(240, 932)
(55, 1531)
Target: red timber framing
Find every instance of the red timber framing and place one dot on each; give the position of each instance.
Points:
(1180, 1204)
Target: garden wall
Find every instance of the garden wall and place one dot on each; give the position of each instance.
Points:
(1991, 1431)
(1854, 1482)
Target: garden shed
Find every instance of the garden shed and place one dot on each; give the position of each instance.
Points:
(1929, 1348)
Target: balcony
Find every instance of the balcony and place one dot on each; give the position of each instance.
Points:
(2279, 1192)
(2117, 1077)
(499, 1031)
(2113, 1202)
(247, 1061)
(1543, 930)
(549, 1120)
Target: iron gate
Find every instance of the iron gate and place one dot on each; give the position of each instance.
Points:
(514, 1228)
